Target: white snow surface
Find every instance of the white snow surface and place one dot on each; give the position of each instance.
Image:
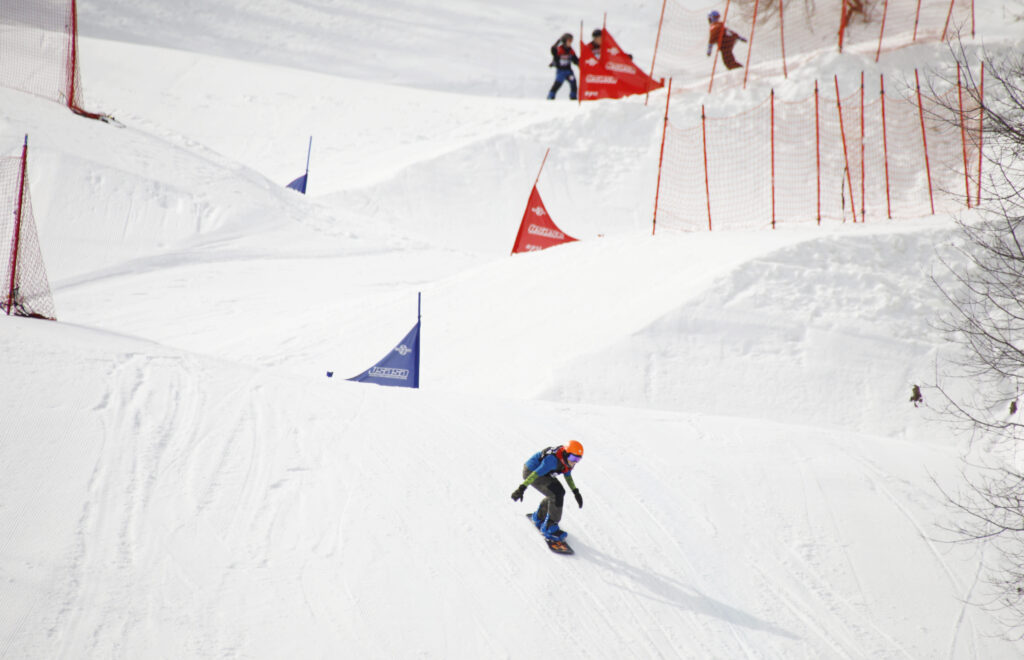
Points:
(179, 479)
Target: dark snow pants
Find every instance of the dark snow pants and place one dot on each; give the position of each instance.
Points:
(554, 495)
(561, 75)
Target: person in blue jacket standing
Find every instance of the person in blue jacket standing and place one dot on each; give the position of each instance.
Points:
(540, 471)
(562, 58)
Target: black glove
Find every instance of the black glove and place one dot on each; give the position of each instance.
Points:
(517, 495)
(742, 39)
(579, 498)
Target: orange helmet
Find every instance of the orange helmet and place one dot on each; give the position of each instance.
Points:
(574, 448)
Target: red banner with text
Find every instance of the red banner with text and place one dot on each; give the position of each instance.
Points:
(610, 73)
(537, 230)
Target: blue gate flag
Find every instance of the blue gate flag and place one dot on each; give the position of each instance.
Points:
(300, 183)
(400, 367)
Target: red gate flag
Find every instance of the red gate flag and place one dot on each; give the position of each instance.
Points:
(613, 74)
(537, 230)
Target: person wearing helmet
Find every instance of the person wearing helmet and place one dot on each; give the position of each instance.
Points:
(724, 38)
(595, 43)
(562, 58)
(540, 471)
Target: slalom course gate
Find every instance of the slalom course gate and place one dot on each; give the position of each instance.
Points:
(537, 230)
(613, 75)
(25, 288)
(783, 35)
(39, 51)
(401, 366)
(842, 158)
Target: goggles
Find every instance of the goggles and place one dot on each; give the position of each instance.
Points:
(573, 458)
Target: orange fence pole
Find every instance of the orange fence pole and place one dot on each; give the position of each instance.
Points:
(963, 134)
(843, 17)
(885, 147)
(846, 159)
(817, 147)
(949, 14)
(657, 40)
(704, 139)
(782, 41)
(750, 46)
(718, 46)
(881, 31)
(15, 244)
(917, 19)
(661, 157)
(924, 141)
(773, 156)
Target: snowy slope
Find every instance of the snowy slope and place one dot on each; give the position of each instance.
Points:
(181, 480)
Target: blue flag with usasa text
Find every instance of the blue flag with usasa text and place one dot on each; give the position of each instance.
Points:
(299, 184)
(400, 367)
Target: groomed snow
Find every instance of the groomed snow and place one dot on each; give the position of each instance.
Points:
(179, 479)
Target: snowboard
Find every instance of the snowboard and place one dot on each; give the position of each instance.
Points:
(557, 547)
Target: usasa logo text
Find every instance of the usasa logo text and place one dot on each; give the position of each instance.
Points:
(545, 232)
(389, 372)
(594, 79)
(620, 68)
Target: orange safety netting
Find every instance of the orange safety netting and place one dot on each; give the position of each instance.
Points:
(787, 35)
(39, 50)
(24, 287)
(817, 159)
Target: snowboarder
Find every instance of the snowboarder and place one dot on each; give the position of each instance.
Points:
(562, 58)
(724, 38)
(540, 472)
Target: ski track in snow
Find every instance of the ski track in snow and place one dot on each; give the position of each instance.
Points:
(181, 480)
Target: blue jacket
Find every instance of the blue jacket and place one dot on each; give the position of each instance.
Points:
(547, 463)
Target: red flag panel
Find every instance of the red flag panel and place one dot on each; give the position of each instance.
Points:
(613, 74)
(538, 231)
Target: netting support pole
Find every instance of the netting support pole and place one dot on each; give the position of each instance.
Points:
(846, 158)
(885, 147)
(981, 126)
(661, 158)
(782, 40)
(863, 204)
(773, 155)
(924, 141)
(917, 19)
(963, 134)
(15, 248)
(750, 46)
(817, 148)
(881, 31)
(949, 14)
(843, 17)
(72, 61)
(718, 46)
(704, 141)
(657, 40)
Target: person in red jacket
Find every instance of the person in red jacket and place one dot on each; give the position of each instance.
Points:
(562, 58)
(724, 38)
